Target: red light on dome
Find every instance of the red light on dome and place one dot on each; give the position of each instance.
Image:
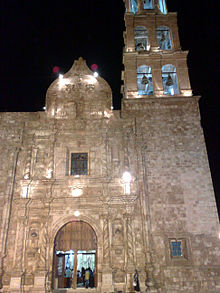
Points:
(94, 67)
(56, 69)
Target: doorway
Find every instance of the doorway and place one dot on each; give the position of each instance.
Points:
(75, 256)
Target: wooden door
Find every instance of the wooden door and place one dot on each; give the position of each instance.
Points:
(74, 236)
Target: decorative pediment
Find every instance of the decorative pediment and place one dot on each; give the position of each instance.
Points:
(80, 89)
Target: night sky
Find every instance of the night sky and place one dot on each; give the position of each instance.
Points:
(38, 35)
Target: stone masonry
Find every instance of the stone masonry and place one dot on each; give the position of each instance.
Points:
(157, 139)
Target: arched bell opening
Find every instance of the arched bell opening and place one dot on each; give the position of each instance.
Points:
(141, 38)
(144, 80)
(75, 256)
(170, 80)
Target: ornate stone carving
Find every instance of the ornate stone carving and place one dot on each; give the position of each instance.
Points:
(106, 247)
(27, 169)
(130, 248)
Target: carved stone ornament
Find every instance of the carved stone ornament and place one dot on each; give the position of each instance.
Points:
(77, 86)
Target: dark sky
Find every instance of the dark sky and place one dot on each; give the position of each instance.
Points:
(38, 35)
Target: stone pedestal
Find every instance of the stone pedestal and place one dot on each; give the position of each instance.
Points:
(107, 285)
(39, 282)
(15, 282)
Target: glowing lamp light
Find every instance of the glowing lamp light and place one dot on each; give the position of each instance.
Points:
(44, 108)
(49, 174)
(76, 192)
(24, 193)
(95, 74)
(76, 213)
(60, 76)
(126, 177)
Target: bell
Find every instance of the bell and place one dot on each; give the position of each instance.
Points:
(144, 80)
(140, 46)
(169, 81)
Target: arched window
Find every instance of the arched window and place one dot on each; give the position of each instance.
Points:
(133, 6)
(140, 38)
(144, 80)
(170, 81)
(148, 4)
(162, 5)
(163, 38)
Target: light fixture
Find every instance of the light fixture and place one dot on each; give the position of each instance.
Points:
(126, 177)
(44, 108)
(24, 193)
(60, 76)
(76, 192)
(76, 213)
(27, 176)
(169, 81)
(144, 80)
(95, 74)
(49, 173)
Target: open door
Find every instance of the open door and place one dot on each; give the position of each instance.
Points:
(75, 251)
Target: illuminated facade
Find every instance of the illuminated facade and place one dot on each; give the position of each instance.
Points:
(84, 186)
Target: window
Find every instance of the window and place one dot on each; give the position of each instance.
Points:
(176, 248)
(163, 38)
(79, 164)
(148, 4)
(144, 80)
(170, 81)
(140, 38)
(162, 5)
(133, 6)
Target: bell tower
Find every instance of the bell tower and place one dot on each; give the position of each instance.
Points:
(172, 169)
(154, 63)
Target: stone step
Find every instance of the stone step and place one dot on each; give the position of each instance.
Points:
(78, 290)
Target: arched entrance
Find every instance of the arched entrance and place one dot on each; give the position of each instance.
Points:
(75, 256)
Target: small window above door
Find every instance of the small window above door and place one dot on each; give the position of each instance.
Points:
(79, 164)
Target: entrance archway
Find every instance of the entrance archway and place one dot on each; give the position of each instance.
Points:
(75, 256)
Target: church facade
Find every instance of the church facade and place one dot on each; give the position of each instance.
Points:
(84, 186)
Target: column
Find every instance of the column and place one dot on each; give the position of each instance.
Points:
(129, 267)
(106, 268)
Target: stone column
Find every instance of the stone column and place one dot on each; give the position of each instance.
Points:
(106, 268)
(19, 246)
(5, 271)
(157, 6)
(157, 78)
(27, 169)
(129, 40)
(129, 262)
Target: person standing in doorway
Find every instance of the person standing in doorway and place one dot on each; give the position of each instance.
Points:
(136, 282)
(87, 278)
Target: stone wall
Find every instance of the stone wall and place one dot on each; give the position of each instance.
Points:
(159, 141)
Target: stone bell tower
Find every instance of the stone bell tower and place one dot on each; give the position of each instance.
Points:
(181, 221)
(154, 63)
